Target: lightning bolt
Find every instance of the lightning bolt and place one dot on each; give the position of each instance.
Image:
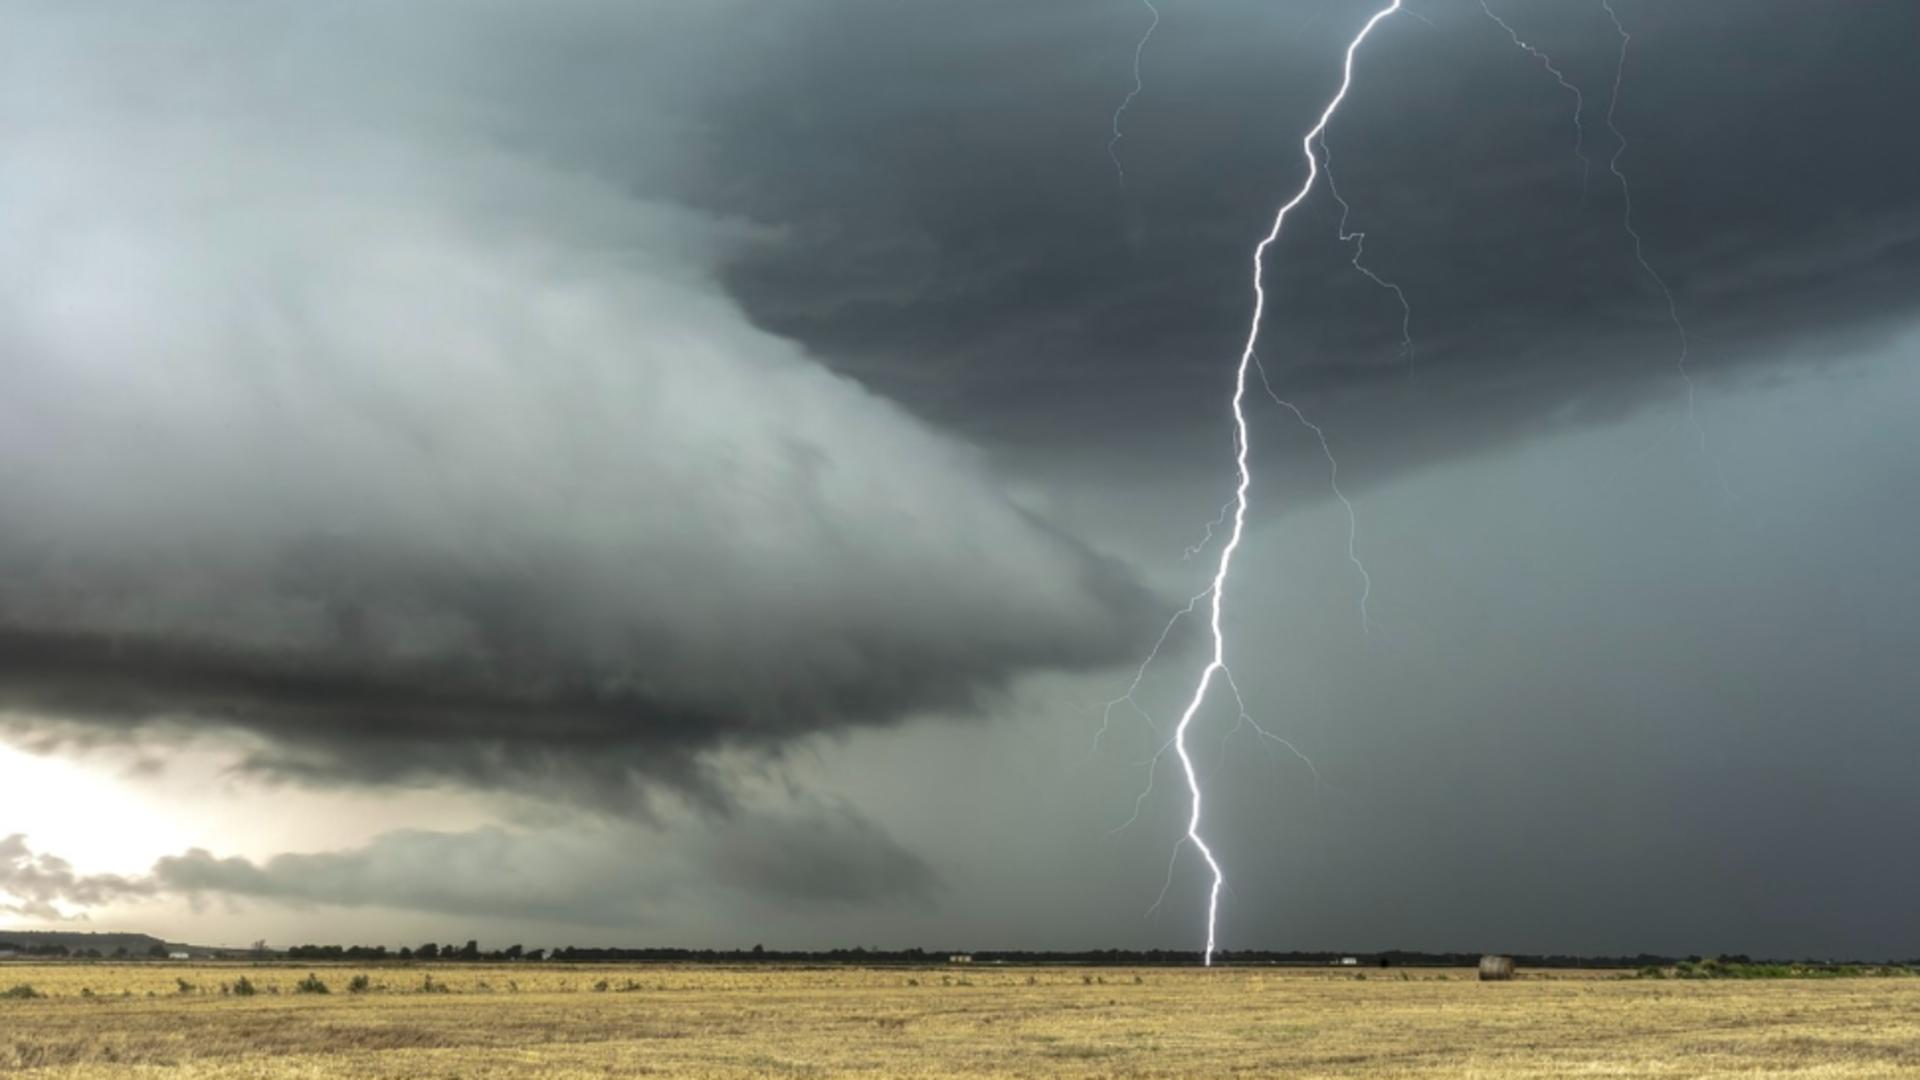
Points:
(1626, 202)
(1579, 99)
(1139, 49)
(1206, 537)
(1139, 676)
(1639, 253)
(1353, 519)
(1247, 721)
(1217, 665)
(1359, 241)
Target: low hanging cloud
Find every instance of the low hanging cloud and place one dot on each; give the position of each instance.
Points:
(40, 886)
(810, 858)
(331, 419)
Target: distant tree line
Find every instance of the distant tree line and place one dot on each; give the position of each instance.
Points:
(471, 952)
(758, 954)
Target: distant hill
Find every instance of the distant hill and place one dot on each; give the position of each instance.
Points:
(106, 944)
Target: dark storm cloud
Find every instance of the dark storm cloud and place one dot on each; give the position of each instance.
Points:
(336, 413)
(975, 216)
(369, 392)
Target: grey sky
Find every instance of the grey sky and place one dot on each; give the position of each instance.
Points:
(749, 445)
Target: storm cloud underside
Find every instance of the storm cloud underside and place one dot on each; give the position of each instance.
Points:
(423, 456)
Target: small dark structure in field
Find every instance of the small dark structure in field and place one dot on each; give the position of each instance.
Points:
(1496, 968)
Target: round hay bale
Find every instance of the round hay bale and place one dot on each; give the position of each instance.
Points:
(1496, 968)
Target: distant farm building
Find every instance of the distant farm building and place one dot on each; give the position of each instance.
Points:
(1347, 961)
(1496, 968)
(960, 958)
(179, 956)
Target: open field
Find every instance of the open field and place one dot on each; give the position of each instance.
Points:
(549, 1021)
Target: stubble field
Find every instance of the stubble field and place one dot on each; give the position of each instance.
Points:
(523, 1020)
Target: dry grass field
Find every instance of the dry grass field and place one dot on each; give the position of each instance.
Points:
(108, 1020)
